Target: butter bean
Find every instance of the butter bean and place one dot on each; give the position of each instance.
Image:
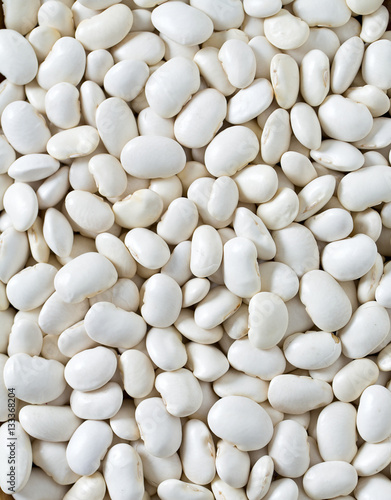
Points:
(373, 423)
(297, 394)
(289, 449)
(180, 391)
(336, 432)
(90, 369)
(16, 48)
(106, 29)
(286, 31)
(231, 150)
(329, 479)
(87, 446)
(36, 380)
(367, 328)
(248, 436)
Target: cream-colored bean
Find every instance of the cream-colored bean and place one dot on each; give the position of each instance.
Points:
(367, 328)
(248, 225)
(315, 77)
(62, 105)
(24, 128)
(234, 383)
(92, 487)
(250, 435)
(198, 452)
(36, 380)
(373, 423)
(365, 188)
(206, 251)
(57, 232)
(51, 458)
(312, 350)
(355, 119)
(21, 205)
(256, 183)
(167, 91)
(372, 457)
(231, 150)
(369, 282)
(206, 362)
(374, 98)
(338, 155)
(160, 431)
(314, 196)
(297, 394)
(114, 249)
(22, 448)
(289, 449)
(297, 248)
(165, 348)
(147, 248)
(90, 369)
(13, 253)
(173, 489)
(161, 300)
(326, 302)
(200, 119)
(192, 331)
(87, 446)
(238, 61)
(241, 276)
(212, 71)
(74, 339)
(382, 293)
(191, 25)
(57, 315)
(85, 276)
(112, 326)
(339, 261)
(268, 320)
(116, 124)
(336, 432)
(264, 52)
(140, 209)
(141, 45)
(106, 29)
(346, 64)
(330, 479)
(65, 63)
(180, 391)
(31, 287)
(286, 31)
(33, 167)
(260, 478)
(42, 39)
(152, 157)
(178, 266)
(126, 79)
(150, 123)
(284, 74)
(38, 246)
(378, 136)
(305, 125)
(16, 48)
(281, 210)
(26, 337)
(98, 62)
(222, 490)
(232, 464)
(49, 423)
(376, 73)
(276, 136)
(216, 307)
(263, 363)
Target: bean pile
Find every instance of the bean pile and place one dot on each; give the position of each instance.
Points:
(195, 250)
